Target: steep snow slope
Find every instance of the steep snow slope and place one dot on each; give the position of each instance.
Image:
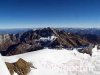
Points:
(3, 68)
(60, 62)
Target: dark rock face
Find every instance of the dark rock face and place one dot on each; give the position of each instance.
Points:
(22, 48)
(92, 38)
(98, 47)
(21, 67)
(29, 37)
(87, 50)
(7, 40)
(11, 44)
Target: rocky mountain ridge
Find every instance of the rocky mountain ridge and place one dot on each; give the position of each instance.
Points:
(11, 44)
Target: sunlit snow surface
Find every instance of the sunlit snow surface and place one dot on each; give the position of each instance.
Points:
(50, 38)
(60, 62)
(3, 68)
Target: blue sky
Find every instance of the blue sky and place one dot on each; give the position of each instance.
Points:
(53, 13)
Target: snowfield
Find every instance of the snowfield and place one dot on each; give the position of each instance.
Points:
(59, 62)
(3, 68)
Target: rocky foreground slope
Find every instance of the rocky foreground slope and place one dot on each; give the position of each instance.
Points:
(11, 44)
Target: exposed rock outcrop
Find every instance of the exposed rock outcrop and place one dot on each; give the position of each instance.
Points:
(22, 48)
(21, 67)
(7, 40)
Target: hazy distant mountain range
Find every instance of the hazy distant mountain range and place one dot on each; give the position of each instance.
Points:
(13, 31)
(95, 31)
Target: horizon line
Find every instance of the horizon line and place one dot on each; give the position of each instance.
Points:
(50, 27)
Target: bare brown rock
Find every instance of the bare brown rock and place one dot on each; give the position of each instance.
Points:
(21, 67)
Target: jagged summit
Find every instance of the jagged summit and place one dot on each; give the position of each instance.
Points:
(38, 39)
